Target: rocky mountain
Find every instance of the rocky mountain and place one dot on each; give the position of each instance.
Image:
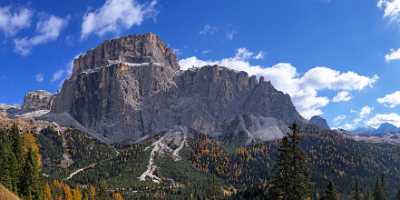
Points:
(320, 122)
(385, 128)
(131, 87)
(37, 100)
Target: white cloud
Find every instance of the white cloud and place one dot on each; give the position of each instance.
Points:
(393, 55)
(14, 20)
(391, 9)
(231, 35)
(361, 117)
(208, 30)
(115, 16)
(47, 29)
(390, 100)
(342, 96)
(303, 89)
(259, 56)
(379, 119)
(39, 77)
(338, 119)
(365, 112)
(57, 75)
(348, 126)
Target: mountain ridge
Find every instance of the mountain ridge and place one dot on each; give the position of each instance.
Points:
(131, 87)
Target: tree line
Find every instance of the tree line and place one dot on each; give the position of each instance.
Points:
(292, 181)
(21, 172)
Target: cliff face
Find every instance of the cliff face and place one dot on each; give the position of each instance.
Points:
(319, 122)
(37, 100)
(131, 87)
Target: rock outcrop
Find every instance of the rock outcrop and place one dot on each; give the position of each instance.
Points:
(319, 122)
(37, 100)
(131, 87)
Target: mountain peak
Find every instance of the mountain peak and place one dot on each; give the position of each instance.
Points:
(137, 49)
(387, 128)
(320, 122)
(128, 88)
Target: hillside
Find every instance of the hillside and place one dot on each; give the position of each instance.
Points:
(167, 165)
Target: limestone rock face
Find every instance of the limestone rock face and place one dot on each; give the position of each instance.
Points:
(320, 122)
(37, 100)
(132, 87)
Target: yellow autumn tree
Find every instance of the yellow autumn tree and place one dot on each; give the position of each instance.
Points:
(56, 188)
(29, 142)
(77, 193)
(117, 196)
(67, 192)
(47, 192)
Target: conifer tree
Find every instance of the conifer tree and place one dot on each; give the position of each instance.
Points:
(398, 195)
(356, 191)
(291, 181)
(379, 189)
(5, 175)
(16, 140)
(330, 193)
(30, 179)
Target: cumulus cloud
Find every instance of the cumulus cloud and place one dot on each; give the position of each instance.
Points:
(365, 112)
(358, 121)
(342, 96)
(390, 100)
(391, 9)
(57, 75)
(115, 16)
(303, 89)
(14, 20)
(339, 119)
(393, 55)
(47, 29)
(379, 119)
(39, 77)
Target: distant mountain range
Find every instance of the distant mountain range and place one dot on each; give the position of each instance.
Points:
(385, 128)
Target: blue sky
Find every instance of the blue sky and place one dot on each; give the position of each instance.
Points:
(315, 50)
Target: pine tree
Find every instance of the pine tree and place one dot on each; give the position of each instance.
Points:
(356, 191)
(16, 142)
(291, 181)
(102, 193)
(398, 195)
(330, 193)
(30, 179)
(5, 175)
(379, 190)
